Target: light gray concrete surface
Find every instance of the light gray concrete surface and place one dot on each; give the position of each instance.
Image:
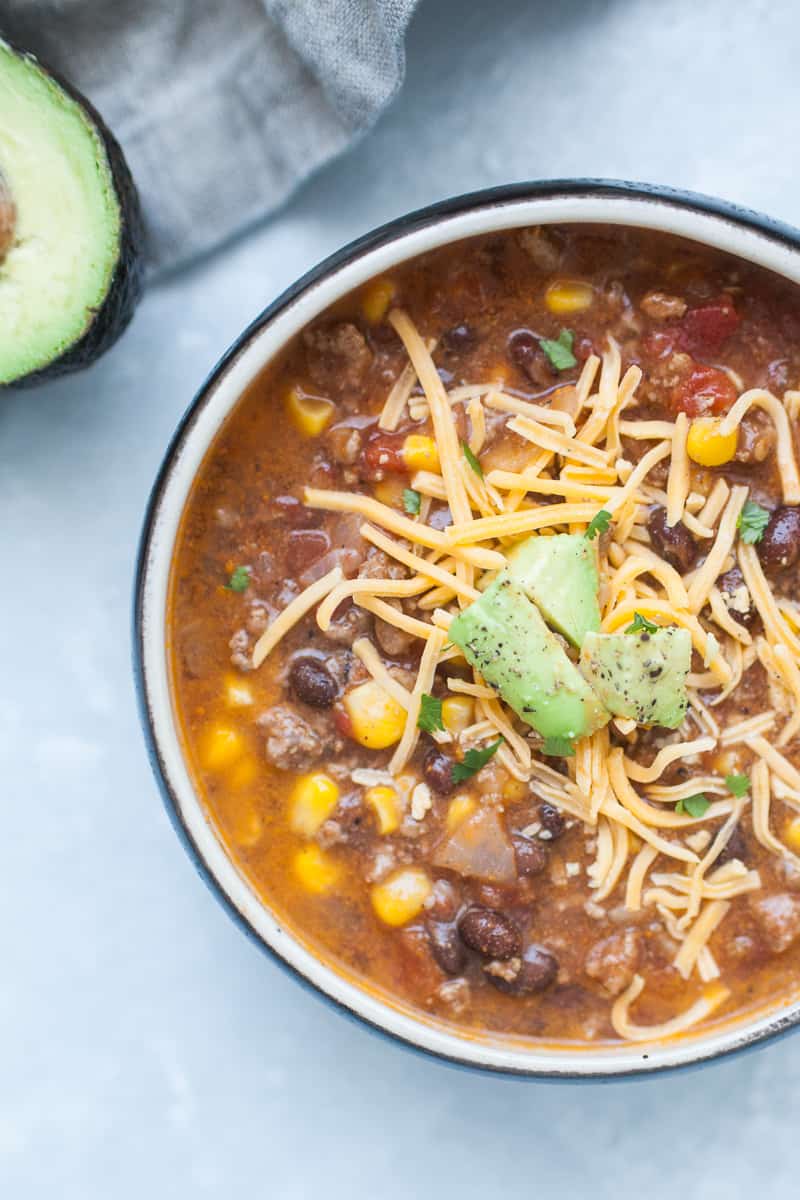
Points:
(147, 1049)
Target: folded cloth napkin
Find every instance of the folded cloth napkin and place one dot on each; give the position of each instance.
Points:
(221, 108)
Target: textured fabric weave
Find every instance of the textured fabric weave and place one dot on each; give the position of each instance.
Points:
(221, 106)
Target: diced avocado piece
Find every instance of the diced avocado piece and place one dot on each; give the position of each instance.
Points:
(560, 575)
(70, 227)
(503, 635)
(640, 675)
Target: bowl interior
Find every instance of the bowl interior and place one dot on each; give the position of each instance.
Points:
(740, 233)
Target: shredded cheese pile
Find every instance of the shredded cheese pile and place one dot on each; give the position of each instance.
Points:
(577, 466)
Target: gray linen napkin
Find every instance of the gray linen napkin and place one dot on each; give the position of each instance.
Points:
(221, 106)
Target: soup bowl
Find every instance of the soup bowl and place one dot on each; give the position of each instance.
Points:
(711, 222)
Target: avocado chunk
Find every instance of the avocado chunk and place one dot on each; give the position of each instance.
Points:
(70, 227)
(503, 635)
(640, 675)
(559, 574)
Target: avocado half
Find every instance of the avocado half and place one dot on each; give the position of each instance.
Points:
(71, 232)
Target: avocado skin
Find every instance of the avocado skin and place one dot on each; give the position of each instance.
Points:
(559, 574)
(503, 635)
(642, 676)
(127, 283)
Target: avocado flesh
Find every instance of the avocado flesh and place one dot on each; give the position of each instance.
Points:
(68, 278)
(642, 676)
(559, 574)
(503, 635)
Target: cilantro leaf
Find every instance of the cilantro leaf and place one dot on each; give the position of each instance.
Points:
(472, 460)
(694, 806)
(598, 524)
(753, 520)
(473, 761)
(737, 785)
(411, 501)
(640, 624)
(559, 352)
(239, 580)
(558, 747)
(430, 714)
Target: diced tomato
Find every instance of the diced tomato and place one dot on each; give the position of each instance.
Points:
(703, 330)
(705, 390)
(383, 454)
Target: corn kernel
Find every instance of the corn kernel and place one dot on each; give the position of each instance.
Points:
(459, 808)
(420, 453)
(376, 719)
(245, 772)
(385, 803)
(220, 747)
(457, 713)
(791, 834)
(376, 299)
(400, 897)
(308, 414)
(238, 694)
(567, 296)
(316, 870)
(707, 446)
(312, 801)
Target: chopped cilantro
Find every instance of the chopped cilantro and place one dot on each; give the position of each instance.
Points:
(472, 460)
(559, 352)
(430, 714)
(640, 624)
(473, 760)
(239, 580)
(737, 785)
(598, 524)
(753, 520)
(693, 806)
(558, 747)
(411, 501)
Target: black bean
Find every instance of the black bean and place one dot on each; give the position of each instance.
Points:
(552, 820)
(312, 682)
(779, 548)
(491, 933)
(459, 338)
(522, 347)
(531, 856)
(732, 583)
(524, 350)
(538, 970)
(447, 947)
(735, 847)
(437, 770)
(673, 542)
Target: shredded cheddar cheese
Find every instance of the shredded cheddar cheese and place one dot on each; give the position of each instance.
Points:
(579, 451)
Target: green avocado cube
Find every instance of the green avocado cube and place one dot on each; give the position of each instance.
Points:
(502, 634)
(640, 675)
(559, 574)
